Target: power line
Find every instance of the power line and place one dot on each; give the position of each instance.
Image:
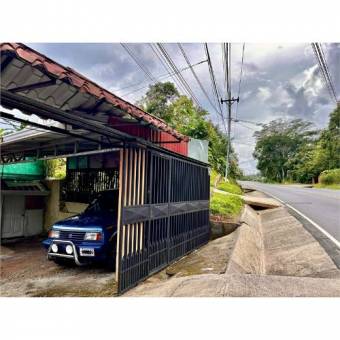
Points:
(240, 81)
(318, 52)
(236, 120)
(324, 63)
(246, 126)
(163, 76)
(178, 74)
(213, 82)
(196, 77)
(138, 62)
(167, 68)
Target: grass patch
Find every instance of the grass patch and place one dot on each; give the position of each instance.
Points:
(327, 186)
(233, 188)
(225, 205)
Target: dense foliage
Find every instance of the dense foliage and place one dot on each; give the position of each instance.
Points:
(294, 150)
(328, 177)
(164, 101)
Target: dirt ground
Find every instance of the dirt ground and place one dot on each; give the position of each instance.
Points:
(25, 271)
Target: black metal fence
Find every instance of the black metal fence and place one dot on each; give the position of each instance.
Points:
(164, 212)
(82, 185)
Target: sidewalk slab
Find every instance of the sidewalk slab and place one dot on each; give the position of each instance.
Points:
(240, 285)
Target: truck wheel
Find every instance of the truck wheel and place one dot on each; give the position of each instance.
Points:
(111, 260)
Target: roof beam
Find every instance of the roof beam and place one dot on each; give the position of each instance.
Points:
(6, 62)
(49, 128)
(93, 109)
(25, 104)
(33, 86)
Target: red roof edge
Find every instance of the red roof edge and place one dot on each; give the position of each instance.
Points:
(63, 73)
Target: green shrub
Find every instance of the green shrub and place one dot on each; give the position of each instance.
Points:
(221, 204)
(213, 177)
(330, 177)
(230, 187)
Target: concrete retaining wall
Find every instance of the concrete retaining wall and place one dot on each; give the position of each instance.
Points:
(248, 253)
(273, 242)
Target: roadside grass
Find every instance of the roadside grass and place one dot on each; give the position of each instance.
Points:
(330, 177)
(327, 186)
(228, 205)
(231, 187)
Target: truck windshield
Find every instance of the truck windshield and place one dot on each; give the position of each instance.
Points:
(105, 202)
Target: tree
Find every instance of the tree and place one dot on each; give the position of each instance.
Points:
(158, 98)
(278, 146)
(183, 116)
(329, 143)
(163, 100)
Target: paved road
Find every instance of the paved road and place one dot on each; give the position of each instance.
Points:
(320, 205)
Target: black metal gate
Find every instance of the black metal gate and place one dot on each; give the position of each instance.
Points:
(164, 212)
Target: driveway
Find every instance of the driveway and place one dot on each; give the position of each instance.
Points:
(25, 271)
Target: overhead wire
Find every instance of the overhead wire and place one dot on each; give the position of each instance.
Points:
(327, 79)
(246, 126)
(240, 80)
(163, 76)
(178, 74)
(213, 79)
(325, 65)
(196, 77)
(167, 68)
(138, 62)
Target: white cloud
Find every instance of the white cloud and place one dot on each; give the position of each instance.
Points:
(263, 93)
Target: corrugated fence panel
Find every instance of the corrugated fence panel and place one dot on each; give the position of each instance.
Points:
(164, 212)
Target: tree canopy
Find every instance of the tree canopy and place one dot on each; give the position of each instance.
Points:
(294, 150)
(278, 144)
(163, 100)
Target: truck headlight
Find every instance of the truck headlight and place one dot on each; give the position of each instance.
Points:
(93, 236)
(54, 234)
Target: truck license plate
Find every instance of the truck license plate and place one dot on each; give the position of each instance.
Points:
(86, 251)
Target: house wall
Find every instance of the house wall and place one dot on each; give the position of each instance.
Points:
(53, 212)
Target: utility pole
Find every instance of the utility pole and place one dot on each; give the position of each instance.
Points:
(229, 101)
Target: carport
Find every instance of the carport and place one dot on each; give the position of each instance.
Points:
(163, 194)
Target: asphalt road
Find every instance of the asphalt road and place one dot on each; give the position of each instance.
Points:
(322, 206)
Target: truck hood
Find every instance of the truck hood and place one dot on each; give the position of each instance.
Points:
(84, 220)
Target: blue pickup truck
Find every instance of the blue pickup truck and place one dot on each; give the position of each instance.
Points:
(88, 237)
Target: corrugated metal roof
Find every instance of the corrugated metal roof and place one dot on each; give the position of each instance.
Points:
(36, 76)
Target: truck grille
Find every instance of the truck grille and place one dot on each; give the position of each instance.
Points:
(72, 235)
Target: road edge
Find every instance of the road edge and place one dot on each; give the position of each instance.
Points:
(327, 241)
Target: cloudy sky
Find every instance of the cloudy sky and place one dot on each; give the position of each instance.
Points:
(279, 80)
